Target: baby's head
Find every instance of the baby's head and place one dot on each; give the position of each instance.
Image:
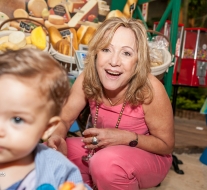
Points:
(38, 67)
(33, 89)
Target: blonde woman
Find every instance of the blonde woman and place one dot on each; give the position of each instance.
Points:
(133, 133)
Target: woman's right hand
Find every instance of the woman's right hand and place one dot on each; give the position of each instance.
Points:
(58, 143)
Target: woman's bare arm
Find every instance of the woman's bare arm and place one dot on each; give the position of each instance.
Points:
(159, 119)
(75, 104)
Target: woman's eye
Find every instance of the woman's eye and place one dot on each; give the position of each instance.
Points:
(105, 50)
(17, 120)
(127, 54)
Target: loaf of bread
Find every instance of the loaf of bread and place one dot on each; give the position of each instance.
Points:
(54, 35)
(126, 10)
(75, 39)
(63, 46)
(88, 35)
(80, 32)
(115, 13)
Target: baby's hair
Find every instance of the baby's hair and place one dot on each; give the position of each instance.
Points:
(32, 63)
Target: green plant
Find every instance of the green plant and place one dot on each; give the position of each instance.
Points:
(190, 98)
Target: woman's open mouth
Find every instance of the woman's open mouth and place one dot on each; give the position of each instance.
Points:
(113, 73)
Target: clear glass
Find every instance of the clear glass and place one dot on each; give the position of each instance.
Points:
(89, 124)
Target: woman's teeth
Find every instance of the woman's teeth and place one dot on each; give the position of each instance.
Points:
(113, 73)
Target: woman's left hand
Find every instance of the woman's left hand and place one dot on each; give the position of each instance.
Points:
(106, 137)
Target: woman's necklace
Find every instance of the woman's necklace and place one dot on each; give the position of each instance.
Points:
(119, 118)
(113, 104)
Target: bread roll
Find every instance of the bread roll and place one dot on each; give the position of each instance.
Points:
(115, 13)
(20, 13)
(41, 20)
(63, 46)
(15, 25)
(36, 7)
(75, 39)
(88, 35)
(80, 32)
(54, 35)
(49, 24)
(57, 20)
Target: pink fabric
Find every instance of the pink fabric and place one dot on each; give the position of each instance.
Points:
(120, 167)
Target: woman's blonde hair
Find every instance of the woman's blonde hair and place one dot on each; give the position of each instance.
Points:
(139, 89)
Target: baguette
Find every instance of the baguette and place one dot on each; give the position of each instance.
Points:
(54, 35)
(126, 10)
(88, 35)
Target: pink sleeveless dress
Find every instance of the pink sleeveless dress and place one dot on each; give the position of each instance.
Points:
(120, 167)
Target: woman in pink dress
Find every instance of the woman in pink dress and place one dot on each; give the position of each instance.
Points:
(133, 134)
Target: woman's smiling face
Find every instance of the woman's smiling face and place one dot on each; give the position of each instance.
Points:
(116, 63)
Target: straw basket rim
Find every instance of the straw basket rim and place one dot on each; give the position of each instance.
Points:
(47, 49)
(7, 32)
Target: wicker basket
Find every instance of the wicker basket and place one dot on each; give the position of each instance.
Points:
(68, 62)
(26, 20)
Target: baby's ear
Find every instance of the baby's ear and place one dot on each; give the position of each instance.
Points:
(52, 125)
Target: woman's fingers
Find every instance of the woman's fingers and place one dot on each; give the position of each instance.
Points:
(57, 143)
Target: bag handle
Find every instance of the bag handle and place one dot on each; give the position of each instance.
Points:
(160, 34)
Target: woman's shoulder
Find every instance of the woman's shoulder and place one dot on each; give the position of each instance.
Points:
(157, 85)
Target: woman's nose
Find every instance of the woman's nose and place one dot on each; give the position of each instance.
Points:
(115, 59)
